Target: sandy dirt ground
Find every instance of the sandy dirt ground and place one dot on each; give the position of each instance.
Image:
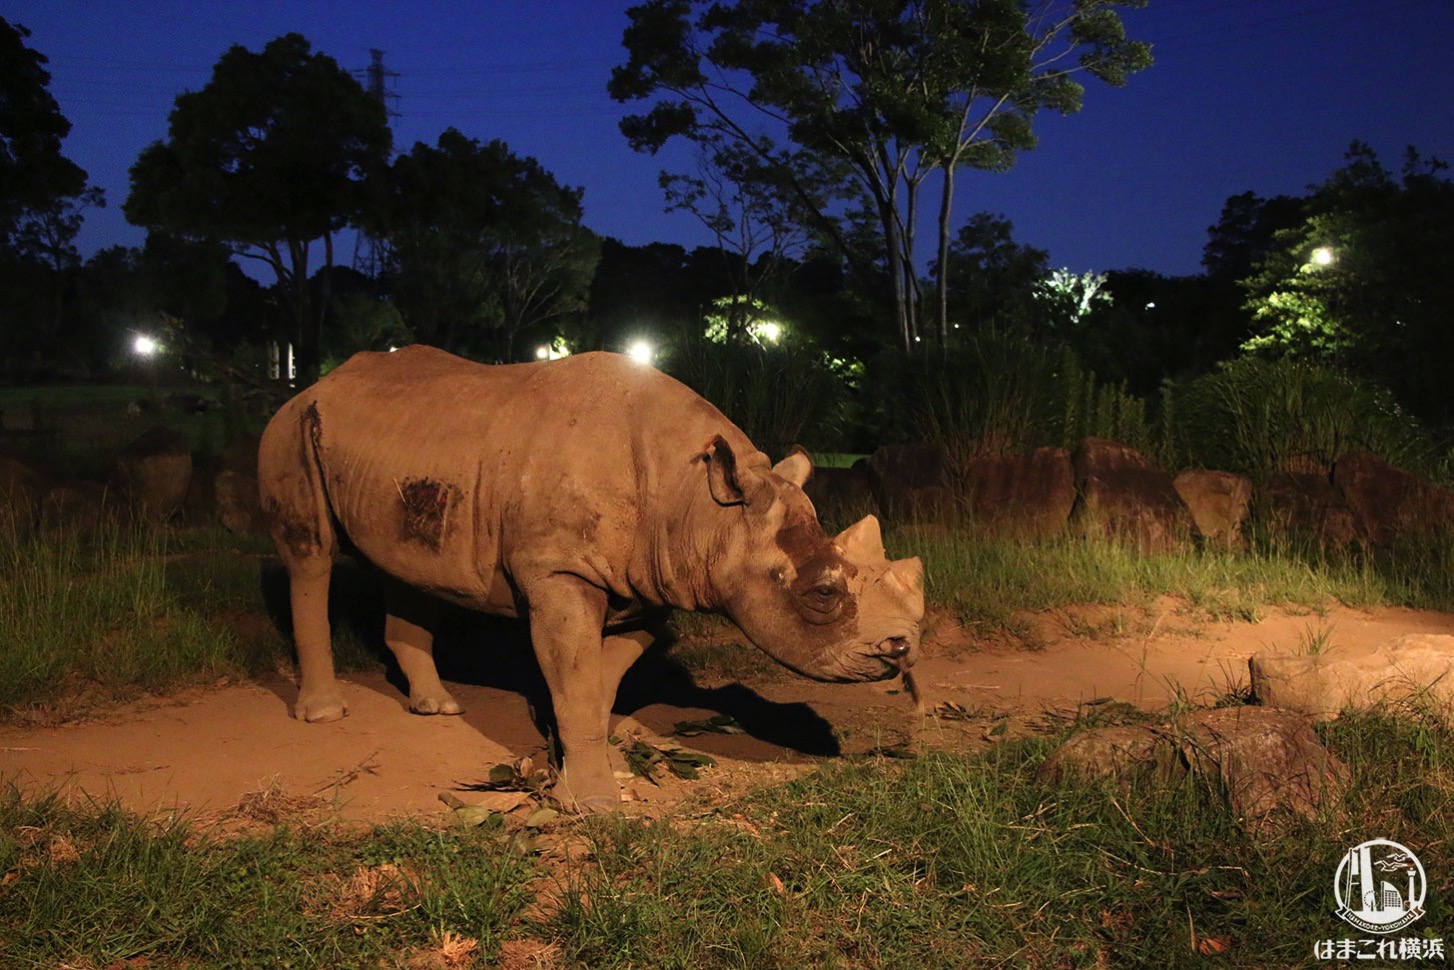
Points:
(208, 752)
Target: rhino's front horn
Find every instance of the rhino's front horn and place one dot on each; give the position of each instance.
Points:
(862, 541)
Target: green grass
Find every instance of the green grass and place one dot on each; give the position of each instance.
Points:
(942, 861)
(988, 581)
(91, 885)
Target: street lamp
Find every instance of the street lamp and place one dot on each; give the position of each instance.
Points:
(641, 351)
(1323, 256)
(145, 346)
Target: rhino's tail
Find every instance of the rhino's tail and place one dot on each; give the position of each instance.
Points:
(291, 485)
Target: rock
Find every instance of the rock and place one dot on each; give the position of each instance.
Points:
(1123, 496)
(1029, 495)
(74, 506)
(1305, 504)
(1388, 502)
(21, 488)
(234, 488)
(1218, 503)
(1417, 668)
(912, 482)
(1119, 754)
(841, 495)
(154, 472)
(1267, 762)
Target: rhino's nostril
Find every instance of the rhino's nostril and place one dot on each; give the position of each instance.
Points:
(895, 648)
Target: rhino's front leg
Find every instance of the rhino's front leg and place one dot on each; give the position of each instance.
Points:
(566, 615)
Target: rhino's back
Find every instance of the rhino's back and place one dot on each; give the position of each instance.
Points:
(443, 471)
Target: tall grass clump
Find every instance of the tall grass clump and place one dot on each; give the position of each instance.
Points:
(1259, 417)
(96, 610)
(778, 395)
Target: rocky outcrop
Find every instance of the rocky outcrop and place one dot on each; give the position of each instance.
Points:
(1218, 503)
(1388, 502)
(1305, 504)
(1268, 763)
(1028, 495)
(1123, 496)
(154, 472)
(1418, 668)
(912, 483)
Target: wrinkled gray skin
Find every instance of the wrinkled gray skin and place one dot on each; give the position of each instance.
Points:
(588, 495)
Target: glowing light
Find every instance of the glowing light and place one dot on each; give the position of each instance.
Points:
(641, 351)
(1323, 256)
(145, 346)
(542, 353)
(771, 332)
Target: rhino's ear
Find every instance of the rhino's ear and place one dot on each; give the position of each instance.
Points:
(862, 541)
(797, 467)
(729, 482)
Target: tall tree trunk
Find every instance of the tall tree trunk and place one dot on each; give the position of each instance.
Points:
(941, 268)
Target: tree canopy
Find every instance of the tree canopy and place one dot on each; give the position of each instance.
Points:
(481, 244)
(886, 92)
(1359, 281)
(269, 156)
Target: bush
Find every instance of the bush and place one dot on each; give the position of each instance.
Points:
(1260, 417)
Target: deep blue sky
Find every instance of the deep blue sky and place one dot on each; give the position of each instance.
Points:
(1259, 95)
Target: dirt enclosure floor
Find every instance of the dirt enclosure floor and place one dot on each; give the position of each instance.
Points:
(220, 752)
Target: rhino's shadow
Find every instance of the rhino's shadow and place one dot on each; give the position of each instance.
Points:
(487, 651)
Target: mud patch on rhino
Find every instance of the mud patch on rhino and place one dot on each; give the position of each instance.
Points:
(424, 505)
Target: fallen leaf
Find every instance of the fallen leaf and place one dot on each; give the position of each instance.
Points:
(1213, 945)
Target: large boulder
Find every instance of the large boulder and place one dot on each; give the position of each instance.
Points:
(1305, 505)
(841, 494)
(21, 488)
(1267, 762)
(1415, 668)
(1123, 496)
(1388, 502)
(234, 489)
(912, 482)
(1218, 503)
(1028, 495)
(154, 472)
(74, 506)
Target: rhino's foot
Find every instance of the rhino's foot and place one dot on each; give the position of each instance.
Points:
(322, 706)
(587, 799)
(441, 703)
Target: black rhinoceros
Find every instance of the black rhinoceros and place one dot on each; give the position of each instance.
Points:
(590, 495)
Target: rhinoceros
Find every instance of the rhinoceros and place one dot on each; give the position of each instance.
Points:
(590, 495)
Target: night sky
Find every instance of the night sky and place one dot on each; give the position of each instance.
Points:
(1260, 95)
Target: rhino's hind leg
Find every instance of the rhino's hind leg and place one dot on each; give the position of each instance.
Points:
(406, 631)
(319, 696)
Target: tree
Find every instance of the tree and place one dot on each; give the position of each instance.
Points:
(990, 278)
(269, 156)
(43, 196)
(754, 214)
(1360, 282)
(888, 91)
(481, 244)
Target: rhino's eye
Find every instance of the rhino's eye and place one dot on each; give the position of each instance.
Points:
(823, 597)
